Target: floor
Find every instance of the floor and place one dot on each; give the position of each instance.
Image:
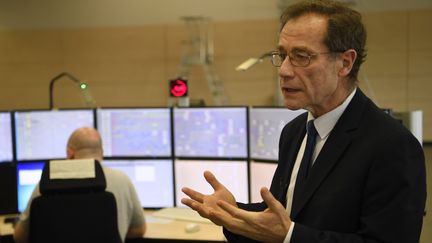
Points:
(426, 236)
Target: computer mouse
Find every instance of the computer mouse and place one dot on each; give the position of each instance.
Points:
(192, 228)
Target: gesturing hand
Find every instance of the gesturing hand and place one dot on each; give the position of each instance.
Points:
(271, 225)
(206, 205)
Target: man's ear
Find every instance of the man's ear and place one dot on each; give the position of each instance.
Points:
(70, 153)
(348, 59)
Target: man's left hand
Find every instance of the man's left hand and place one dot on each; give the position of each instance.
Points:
(270, 225)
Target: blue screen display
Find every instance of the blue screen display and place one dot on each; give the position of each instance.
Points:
(28, 176)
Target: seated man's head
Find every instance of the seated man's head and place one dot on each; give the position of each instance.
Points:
(85, 143)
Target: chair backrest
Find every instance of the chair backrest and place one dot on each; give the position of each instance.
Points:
(73, 206)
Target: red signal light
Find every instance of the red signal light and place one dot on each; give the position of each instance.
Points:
(178, 88)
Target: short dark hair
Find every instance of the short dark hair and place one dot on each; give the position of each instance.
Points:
(345, 29)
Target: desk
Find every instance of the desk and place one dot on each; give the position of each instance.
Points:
(163, 228)
(158, 229)
(6, 229)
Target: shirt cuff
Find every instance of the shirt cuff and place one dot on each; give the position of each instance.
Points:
(289, 234)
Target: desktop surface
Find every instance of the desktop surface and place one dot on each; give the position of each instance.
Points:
(176, 228)
(159, 229)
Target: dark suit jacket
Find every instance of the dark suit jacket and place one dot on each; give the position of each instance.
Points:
(368, 183)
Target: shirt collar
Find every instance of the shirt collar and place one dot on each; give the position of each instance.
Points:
(325, 123)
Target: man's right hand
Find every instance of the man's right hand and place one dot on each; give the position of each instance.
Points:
(206, 205)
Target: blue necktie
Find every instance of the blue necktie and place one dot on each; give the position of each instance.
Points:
(306, 161)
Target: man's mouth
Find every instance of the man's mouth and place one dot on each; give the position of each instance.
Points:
(290, 90)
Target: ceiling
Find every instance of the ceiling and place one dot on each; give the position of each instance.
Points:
(31, 14)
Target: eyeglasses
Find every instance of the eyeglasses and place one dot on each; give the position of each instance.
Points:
(297, 58)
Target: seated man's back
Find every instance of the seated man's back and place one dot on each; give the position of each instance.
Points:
(86, 143)
(129, 212)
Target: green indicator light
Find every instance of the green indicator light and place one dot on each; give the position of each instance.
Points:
(83, 85)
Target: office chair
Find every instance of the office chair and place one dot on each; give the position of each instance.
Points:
(72, 209)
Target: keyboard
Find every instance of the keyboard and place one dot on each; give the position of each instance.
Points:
(11, 220)
(186, 214)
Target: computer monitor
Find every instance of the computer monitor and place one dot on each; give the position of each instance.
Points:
(28, 176)
(261, 175)
(265, 126)
(8, 192)
(153, 180)
(6, 153)
(43, 134)
(233, 174)
(214, 132)
(135, 132)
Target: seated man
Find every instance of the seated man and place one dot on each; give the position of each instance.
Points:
(86, 143)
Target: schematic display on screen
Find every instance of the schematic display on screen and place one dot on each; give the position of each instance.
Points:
(135, 132)
(261, 175)
(232, 174)
(28, 176)
(265, 126)
(210, 132)
(44, 134)
(153, 180)
(5, 137)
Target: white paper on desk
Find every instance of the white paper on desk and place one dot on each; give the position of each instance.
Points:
(156, 220)
(72, 169)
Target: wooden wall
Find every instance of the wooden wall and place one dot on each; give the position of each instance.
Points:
(398, 70)
(131, 66)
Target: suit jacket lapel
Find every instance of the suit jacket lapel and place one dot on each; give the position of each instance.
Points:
(338, 140)
(290, 147)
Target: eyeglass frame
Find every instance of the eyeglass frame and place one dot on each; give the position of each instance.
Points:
(309, 56)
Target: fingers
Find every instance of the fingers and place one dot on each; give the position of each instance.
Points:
(197, 196)
(232, 210)
(189, 202)
(272, 203)
(230, 217)
(237, 220)
(211, 179)
(200, 208)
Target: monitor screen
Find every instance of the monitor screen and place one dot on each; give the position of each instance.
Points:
(210, 132)
(233, 174)
(135, 132)
(44, 134)
(8, 192)
(5, 137)
(28, 176)
(261, 175)
(265, 126)
(153, 180)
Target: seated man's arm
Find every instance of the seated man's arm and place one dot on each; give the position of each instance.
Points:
(20, 234)
(21, 231)
(137, 225)
(136, 232)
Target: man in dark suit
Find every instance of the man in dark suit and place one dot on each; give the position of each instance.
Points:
(357, 175)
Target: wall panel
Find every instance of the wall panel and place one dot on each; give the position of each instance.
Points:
(131, 66)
